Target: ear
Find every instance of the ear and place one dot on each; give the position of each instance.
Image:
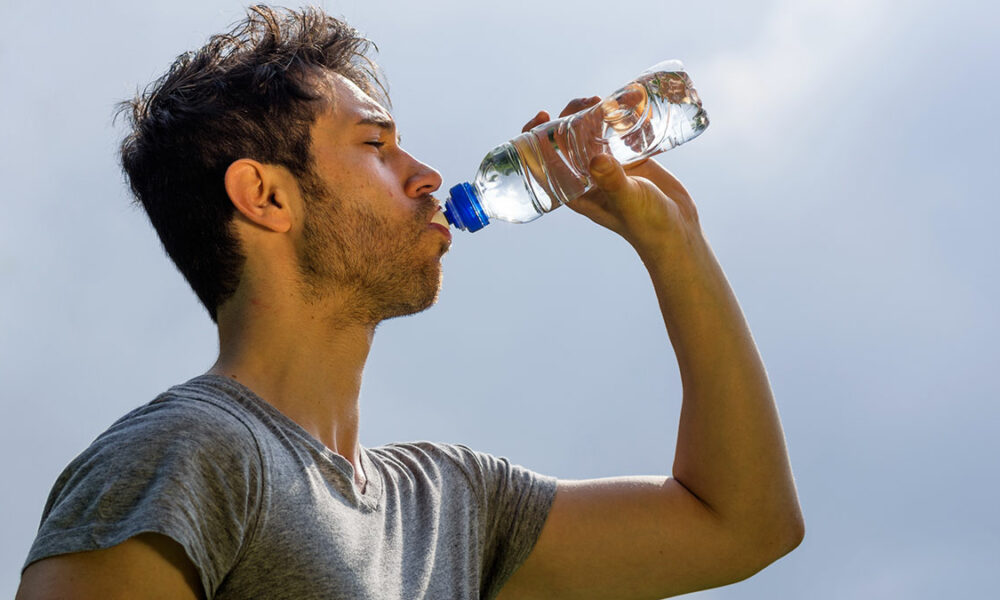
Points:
(259, 194)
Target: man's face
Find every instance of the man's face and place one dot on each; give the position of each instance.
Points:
(367, 232)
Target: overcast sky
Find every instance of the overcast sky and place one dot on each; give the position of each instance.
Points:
(847, 184)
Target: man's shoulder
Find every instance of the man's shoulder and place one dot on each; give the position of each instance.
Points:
(197, 408)
(188, 423)
(185, 465)
(183, 432)
(425, 452)
(437, 459)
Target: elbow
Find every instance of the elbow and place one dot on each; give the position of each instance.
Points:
(791, 535)
(768, 543)
(778, 539)
(779, 528)
(783, 532)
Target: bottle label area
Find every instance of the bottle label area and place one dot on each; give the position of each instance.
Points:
(546, 167)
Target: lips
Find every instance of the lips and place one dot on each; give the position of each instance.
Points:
(439, 218)
(439, 222)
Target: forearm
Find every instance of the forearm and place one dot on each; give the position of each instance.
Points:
(730, 445)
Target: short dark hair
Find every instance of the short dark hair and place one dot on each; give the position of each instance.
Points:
(249, 93)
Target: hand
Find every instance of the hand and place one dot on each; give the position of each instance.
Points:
(643, 203)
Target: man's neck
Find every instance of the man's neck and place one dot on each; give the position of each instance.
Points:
(307, 367)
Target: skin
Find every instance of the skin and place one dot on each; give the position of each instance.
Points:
(326, 264)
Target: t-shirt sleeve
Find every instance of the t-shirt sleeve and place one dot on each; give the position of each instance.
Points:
(517, 502)
(185, 469)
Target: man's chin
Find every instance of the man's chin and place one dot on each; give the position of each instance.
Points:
(419, 301)
(411, 309)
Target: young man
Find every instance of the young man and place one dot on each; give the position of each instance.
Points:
(276, 182)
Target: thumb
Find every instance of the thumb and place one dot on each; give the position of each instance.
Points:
(609, 175)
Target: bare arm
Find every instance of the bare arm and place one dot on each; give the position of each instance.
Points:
(731, 507)
(149, 566)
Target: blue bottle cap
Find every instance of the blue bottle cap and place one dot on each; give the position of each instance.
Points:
(463, 210)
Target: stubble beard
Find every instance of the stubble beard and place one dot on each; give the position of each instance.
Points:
(364, 259)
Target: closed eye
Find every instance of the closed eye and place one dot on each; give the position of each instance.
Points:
(376, 144)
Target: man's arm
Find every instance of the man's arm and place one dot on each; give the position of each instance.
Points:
(148, 566)
(730, 508)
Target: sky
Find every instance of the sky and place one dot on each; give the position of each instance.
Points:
(846, 184)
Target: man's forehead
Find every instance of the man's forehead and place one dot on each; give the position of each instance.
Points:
(351, 103)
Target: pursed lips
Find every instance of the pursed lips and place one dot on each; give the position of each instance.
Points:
(439, 222)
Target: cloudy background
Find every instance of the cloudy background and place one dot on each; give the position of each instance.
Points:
(847, 184)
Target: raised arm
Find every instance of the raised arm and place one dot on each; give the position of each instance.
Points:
(730, 508)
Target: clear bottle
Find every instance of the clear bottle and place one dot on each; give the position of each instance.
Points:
(546, 167)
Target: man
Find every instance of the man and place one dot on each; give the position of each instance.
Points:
(276, 182)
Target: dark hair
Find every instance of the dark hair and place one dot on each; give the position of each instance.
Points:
(250, 93)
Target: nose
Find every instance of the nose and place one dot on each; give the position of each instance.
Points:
(424, 180)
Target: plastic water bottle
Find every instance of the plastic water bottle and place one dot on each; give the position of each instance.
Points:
(546, 167)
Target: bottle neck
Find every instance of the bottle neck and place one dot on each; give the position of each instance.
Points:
(464, 208)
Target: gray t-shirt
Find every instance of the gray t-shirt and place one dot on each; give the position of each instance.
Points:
(264, 510)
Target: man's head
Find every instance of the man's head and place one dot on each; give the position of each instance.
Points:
(366, 233)
(253, 93)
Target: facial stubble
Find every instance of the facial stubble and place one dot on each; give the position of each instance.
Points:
(369, 261)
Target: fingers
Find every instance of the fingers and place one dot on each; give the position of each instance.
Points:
(538, 119)
(577, 104)
(574, 106)
(609, 175)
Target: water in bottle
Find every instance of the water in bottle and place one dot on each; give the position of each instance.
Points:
(546, 167)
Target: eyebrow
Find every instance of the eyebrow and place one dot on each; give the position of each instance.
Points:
(382, 123)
